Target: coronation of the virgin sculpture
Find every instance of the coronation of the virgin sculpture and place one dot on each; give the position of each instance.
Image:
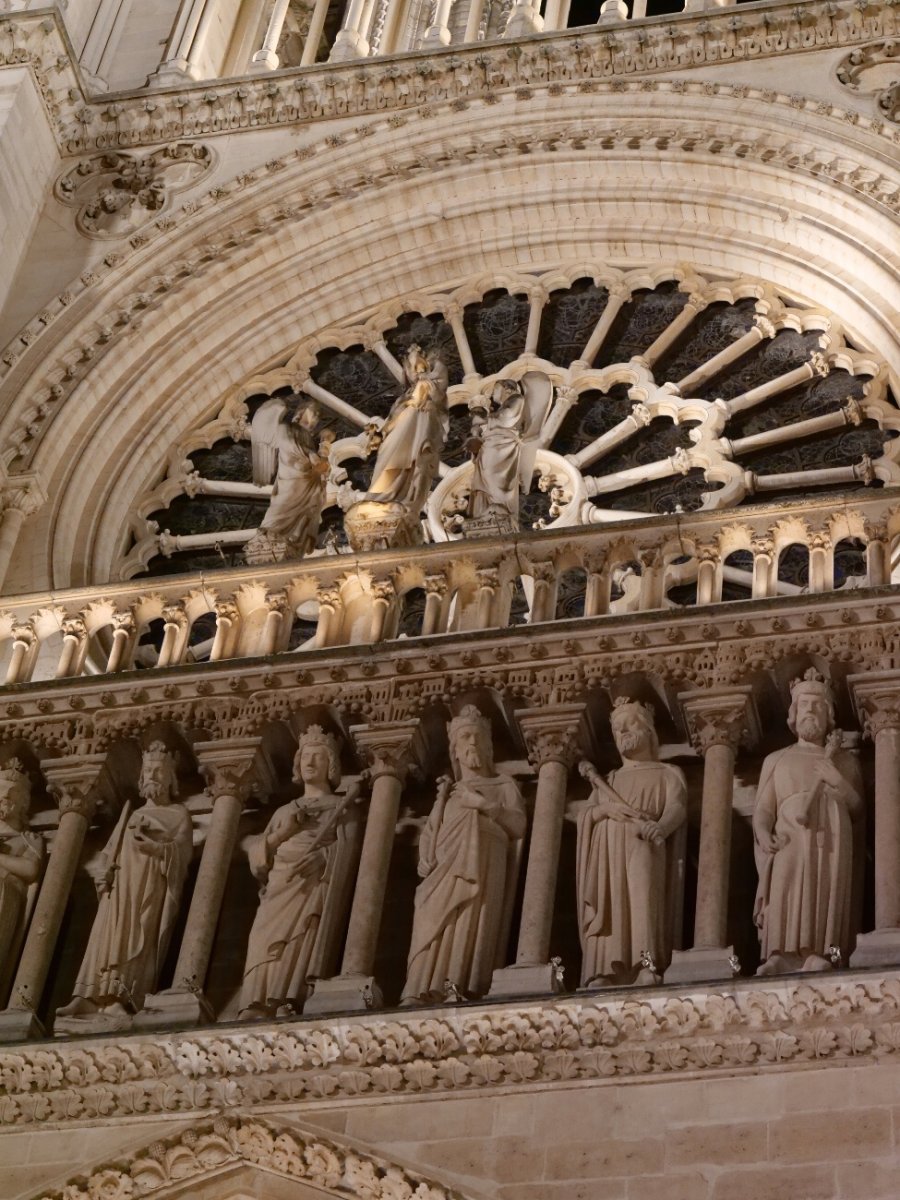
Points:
(449, 612)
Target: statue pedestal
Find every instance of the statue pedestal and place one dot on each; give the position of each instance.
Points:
(174, 1007)
(93, 1023)
(373, 525)
(263, 548)
(491, 524)
(527, 979)
(702, 964)
(343, 994)
(880, 948)
(20, 1025)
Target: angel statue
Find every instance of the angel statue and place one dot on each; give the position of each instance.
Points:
(284, 449)
(503, 446)
(412, 438)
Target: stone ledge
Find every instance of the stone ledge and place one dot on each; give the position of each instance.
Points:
(621, 1036)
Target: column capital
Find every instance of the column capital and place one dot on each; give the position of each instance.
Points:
(720, 718)
(392, 748)
(228, 767)
(23, 493)
(554, 734)
(876, 698)
(75, 782)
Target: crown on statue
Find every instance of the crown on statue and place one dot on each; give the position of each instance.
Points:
(811, 683)
(623, 704)
(157, 752)
(315, 735)
(469, 716)
(14, 775)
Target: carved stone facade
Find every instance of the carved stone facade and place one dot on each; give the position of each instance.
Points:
(449, 627)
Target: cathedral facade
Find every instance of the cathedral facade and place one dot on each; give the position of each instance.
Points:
(449, 655)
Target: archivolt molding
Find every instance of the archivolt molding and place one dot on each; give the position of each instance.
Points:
(205, 1151)
(617, 1039)
(109, 301)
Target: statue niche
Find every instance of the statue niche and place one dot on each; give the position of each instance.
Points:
(409, 446)
(139, 880)
(630, 851)
(469, 859)
(808, 803)
(21, 860)
(305, 862)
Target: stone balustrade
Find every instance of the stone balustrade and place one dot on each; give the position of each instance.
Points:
(655, 564)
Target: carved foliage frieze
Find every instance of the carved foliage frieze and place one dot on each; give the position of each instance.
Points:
(455, 1050)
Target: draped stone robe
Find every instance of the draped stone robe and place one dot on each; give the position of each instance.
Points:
(495, 473)
(463, 904)
(626, 885)
(135, 918)
(804, 900)
(412, 441)
(302, 881)
(295, 510)
(14, 893)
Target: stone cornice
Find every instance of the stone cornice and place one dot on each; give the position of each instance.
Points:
(621, 1037)
(668, 43)
(561, 662)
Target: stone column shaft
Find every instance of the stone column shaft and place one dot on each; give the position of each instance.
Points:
(267, 57)
(717, 723)
(73, 782)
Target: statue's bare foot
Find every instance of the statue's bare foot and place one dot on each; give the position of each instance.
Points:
(815, 962)
(78, 1006)
(775, 964)
(117, 1009)
(286, 1010)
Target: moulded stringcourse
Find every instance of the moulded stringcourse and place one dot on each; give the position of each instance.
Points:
(620, 1038)
(672, 42)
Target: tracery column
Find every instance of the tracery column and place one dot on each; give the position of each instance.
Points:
(717, 722)
(435, 600)
(525, 18)
(878, 699)
(266, 58)
(123, 631)
(73, 781)
(552, 737)
(391, 750)
(350, 42)
(227, 767)
(74, 635)
(438, 33)
(21, 497)
(186, 44)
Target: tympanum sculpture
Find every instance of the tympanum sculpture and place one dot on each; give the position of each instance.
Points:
(305, 862)
(139, 881)
(468, 859)
(284, 449)
(629, 845)
(21, 857)
(808, 801)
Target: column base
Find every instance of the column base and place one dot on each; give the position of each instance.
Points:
(436, 37)
(523, 20)
(265, 60)
(880, 948)
(348, 45)
(526, 979)
(702, 964)
(174, 1007)
(176, 73)
(20, 1025)
(343, 994)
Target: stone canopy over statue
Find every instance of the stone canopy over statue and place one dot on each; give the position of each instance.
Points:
(139, 880)
(468, 861)
(630, 851)
(808, 806)
(408, 452)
